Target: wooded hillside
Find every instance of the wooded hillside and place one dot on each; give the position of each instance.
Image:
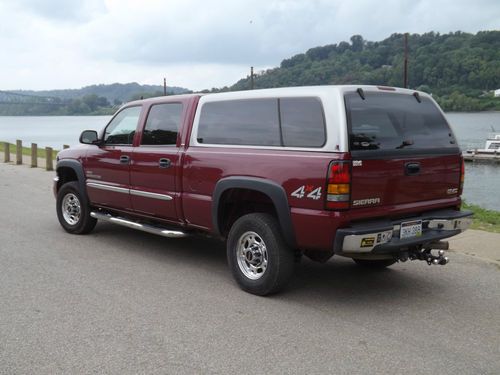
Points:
(459, 69)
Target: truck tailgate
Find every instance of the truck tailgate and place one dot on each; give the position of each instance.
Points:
(404, 180)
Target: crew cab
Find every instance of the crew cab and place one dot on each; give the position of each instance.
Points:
(366, 172)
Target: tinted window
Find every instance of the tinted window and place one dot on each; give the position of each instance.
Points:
(388, 121)
(257, 122)
(302, 122)
(240, 122)
(121, 129)
(162, 125)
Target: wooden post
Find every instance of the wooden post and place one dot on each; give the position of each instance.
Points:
(19, 152)
(6, 152)
(34, 155)
(48, 159)
(251, 78)
(65, 146)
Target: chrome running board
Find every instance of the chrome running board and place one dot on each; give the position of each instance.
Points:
(143, 227)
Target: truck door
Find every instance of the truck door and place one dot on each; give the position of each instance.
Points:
(155, 163)
(107, 167)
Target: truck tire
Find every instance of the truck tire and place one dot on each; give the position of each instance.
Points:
(73, 210)
(375, 263)
(258, 256)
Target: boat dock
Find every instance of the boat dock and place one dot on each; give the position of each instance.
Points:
(478, 157)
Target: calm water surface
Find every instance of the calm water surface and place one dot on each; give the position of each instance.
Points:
(48, 131)
(482, 182)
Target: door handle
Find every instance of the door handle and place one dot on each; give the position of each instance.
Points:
(412, 169)
(164, 163)
(124, 159)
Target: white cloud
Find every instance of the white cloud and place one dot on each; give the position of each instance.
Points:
(61, 10)
(198, 44)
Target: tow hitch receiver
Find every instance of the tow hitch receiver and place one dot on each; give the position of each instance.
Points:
(426, 254)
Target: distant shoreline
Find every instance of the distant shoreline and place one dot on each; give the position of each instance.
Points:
(75, 115)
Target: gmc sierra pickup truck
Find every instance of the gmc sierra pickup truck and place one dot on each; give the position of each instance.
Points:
(366, 172)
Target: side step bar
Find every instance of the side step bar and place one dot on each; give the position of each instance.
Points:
(143, 227)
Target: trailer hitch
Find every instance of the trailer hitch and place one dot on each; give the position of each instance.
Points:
(426, 254)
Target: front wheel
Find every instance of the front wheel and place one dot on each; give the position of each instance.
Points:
(258, 256)
(73, 211)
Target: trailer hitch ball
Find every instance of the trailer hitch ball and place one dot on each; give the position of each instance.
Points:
(427, 256)
(437, 260)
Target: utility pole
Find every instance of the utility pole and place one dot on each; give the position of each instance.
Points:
(164, 87)
(405, 73)
(251, 78)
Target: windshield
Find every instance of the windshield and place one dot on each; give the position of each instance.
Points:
(396, 122)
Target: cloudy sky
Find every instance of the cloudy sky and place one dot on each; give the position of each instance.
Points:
(49, 44)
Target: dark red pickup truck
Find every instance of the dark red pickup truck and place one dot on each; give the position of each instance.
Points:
(370, 173)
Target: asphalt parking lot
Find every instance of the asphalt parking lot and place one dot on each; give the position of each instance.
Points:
(119, 301)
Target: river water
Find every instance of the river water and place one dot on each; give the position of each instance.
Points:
(482, 181)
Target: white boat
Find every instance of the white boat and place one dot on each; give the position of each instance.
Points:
(493, 143)
(490, 152)
(492, 146)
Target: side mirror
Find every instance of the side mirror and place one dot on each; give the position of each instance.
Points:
(89, 137)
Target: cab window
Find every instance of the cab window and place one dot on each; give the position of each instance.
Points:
(162, 125)
(121, 130)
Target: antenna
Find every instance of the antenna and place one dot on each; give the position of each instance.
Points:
(405, 67)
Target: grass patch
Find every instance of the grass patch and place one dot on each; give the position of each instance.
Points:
(484, 219)
(27, 151)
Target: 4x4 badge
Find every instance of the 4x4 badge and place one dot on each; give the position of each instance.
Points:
(313, 193)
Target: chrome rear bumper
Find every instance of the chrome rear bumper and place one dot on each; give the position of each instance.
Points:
(383, 236)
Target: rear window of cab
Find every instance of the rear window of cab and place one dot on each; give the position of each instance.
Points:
(285, 122)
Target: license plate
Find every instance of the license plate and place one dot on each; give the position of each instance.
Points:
(411, 229)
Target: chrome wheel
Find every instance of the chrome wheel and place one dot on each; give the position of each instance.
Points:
(252, 255)
(71, 209)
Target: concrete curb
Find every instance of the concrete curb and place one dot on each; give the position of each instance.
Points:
(479, 244)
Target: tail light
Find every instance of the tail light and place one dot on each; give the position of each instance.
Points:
(462, 176)
(338, 185)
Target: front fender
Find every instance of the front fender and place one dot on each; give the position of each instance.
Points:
(77, 167)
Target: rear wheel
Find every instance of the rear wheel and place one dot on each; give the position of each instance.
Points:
(375, 263)
(73, 210)
(258, 256)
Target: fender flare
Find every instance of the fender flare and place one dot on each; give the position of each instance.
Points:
(78, 168)
(270, 188)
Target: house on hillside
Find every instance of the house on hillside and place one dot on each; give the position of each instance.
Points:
(497, 93)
